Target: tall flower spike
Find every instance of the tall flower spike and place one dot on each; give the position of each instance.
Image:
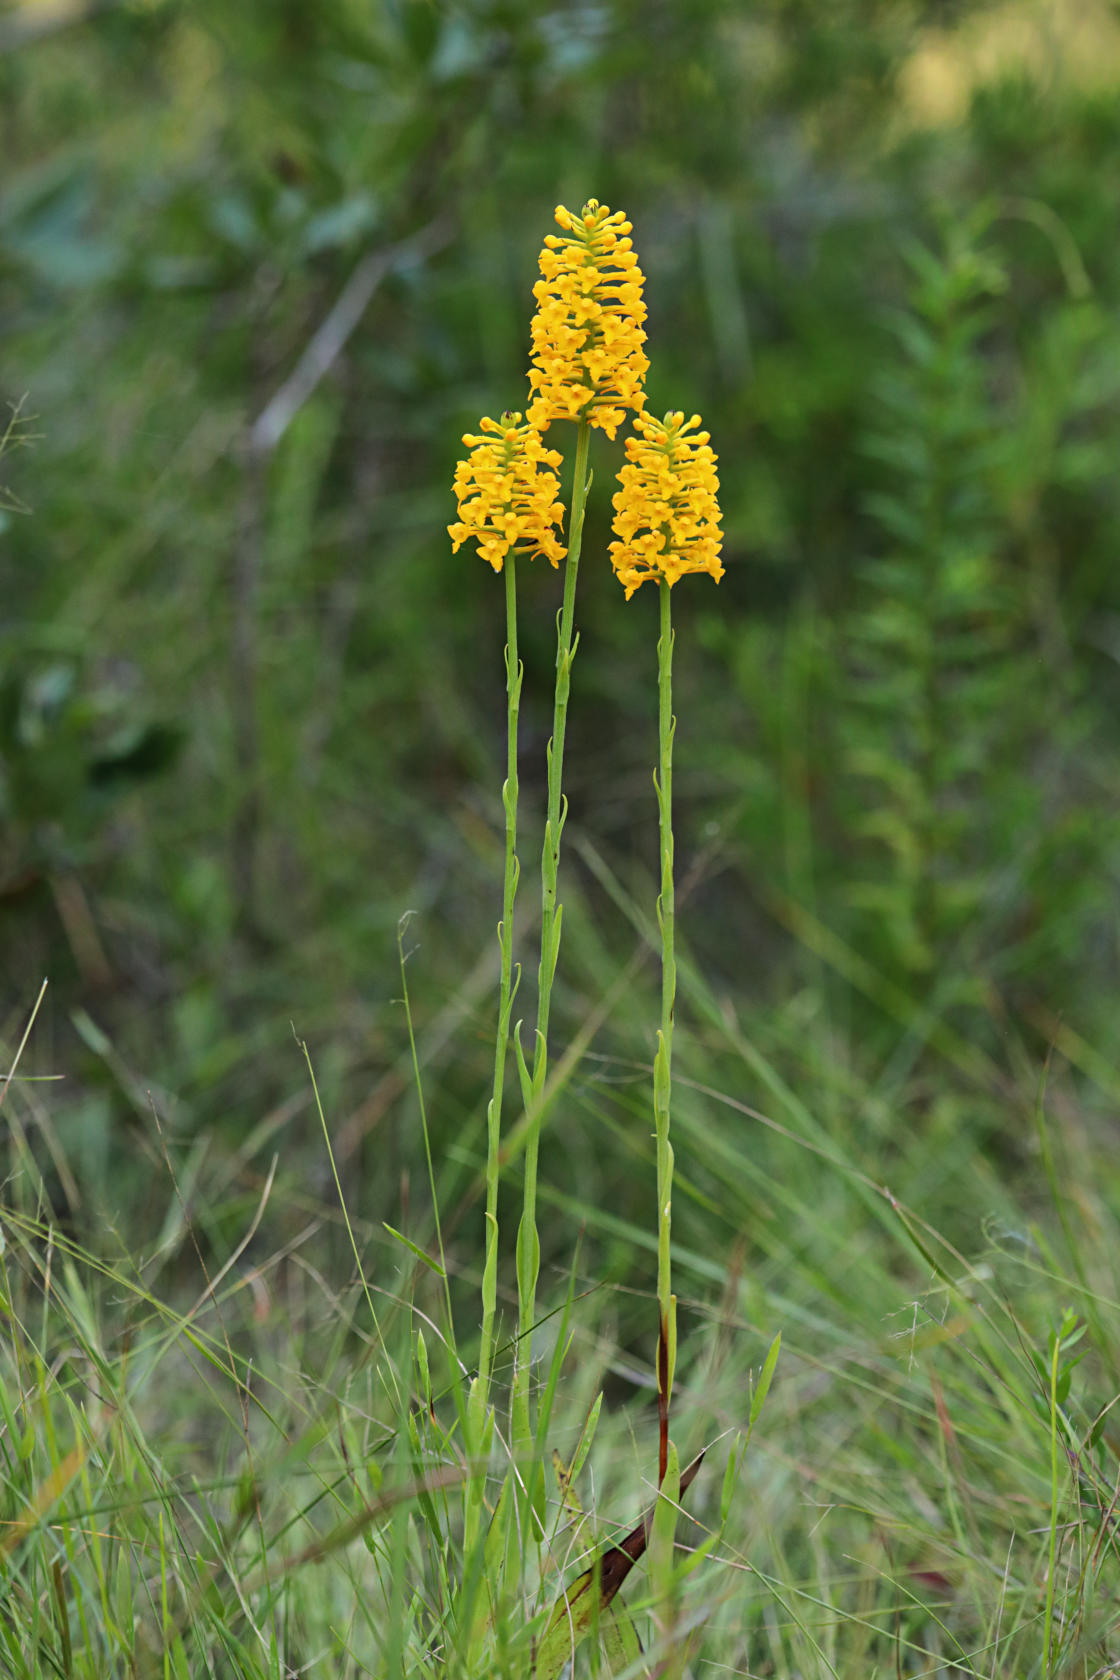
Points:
(508, 495)
(667, 515)
(587, 355)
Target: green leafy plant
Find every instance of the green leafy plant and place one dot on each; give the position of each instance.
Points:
(938, 679)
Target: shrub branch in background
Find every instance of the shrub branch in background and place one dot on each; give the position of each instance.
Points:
(935, 700)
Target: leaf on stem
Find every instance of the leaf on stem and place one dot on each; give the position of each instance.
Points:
(592, 1592)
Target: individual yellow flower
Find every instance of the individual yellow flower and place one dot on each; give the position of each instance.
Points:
(587, 333)
(667, 515)
(508, 497)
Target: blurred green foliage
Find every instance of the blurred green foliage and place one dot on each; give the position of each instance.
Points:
(251, 707)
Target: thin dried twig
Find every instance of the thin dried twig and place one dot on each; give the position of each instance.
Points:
(330, 337)
(319, 355)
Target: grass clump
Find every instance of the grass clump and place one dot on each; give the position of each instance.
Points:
(244, 1477)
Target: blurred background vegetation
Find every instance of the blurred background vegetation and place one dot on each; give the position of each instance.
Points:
(251, 708)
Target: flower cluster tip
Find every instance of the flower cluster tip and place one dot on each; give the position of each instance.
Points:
(508, 493)
(667, 517)
(587, 337)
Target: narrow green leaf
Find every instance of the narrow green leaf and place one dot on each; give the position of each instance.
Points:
(730, 1477)
(620, 1638)
(414, 1248)
(579, 1458)
(758, 1398)
(423, 1370)
(664, 1531)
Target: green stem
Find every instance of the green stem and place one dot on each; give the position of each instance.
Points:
(479, 1431)
(663, 1061)
(528, 1242)
(506, 986)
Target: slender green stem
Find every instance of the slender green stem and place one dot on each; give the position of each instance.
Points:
(663, 1062)
(479, 1417)
(668, 1468)
(528, 1242)
(506, 986)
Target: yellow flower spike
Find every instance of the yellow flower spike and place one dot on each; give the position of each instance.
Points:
(508, 493)
(667, 517)
(588, 362)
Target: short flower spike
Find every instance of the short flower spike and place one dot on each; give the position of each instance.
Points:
(667, 515)
(588, 362)
(508, 497)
